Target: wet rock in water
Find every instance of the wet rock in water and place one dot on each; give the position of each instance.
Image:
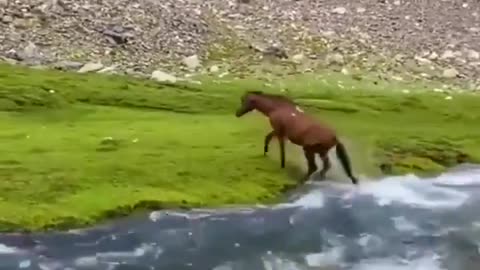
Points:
(191, 62)
(161, 76)
(90, 67)
(450, 73)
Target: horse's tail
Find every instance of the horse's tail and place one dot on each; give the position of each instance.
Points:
(345, 161)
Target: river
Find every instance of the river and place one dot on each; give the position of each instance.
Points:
(396, 223)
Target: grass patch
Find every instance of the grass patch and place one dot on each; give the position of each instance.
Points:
(79, 148)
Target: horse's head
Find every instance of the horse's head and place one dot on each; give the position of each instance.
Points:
(247, 103)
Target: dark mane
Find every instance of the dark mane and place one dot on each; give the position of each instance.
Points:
(272, 96)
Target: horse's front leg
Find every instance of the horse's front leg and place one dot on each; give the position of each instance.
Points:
(268, 138)
(281, 142)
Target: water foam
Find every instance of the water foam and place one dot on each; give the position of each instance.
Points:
(470, 177)
(430, 193)
(424, 263)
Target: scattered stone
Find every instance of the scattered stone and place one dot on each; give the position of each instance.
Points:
(448, 97)
(30, 54)
(448, 54)
(422, 61)
(335, 58)
(117, 35)
(361, 10)
(68, 65)
(339, 10)
(433, 56)
(345, 71)
(9, 60)
(191, 62)
(275, 51)
(450, 73)
(399, 57)
(161, 76)
(142, 34)
(473, 55)
(474, 29)
(108, 70)
(223, 74)
(328, 34)
(90, 67)
(214, 69)
(7, 19)
(298, 58)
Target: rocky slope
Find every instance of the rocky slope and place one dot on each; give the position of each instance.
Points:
(399, 38)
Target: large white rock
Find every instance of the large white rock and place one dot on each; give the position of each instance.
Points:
(161, 76)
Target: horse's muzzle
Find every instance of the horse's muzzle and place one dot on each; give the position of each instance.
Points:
(238, 113)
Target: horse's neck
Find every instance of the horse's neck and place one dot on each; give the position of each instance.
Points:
(266, 107)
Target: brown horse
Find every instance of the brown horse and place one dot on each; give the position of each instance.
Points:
(290, 122)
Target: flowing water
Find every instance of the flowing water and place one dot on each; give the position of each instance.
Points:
(393, 224)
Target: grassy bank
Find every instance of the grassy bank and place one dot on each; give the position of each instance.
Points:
(79, 148)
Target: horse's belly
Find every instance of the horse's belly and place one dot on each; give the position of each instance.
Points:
(296, 140)
(297, 136)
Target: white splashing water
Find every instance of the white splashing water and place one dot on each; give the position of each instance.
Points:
(7, 250)
(409, 189)
(469, 177)
(423, 263)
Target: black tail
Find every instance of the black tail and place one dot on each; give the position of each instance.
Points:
(345, 160)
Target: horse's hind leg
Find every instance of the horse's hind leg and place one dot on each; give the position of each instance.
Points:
(326, 165)
(312, 166)
(281, 142)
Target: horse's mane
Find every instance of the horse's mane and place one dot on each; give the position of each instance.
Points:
(272, 96)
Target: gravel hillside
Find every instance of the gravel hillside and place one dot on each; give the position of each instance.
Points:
(416, 38)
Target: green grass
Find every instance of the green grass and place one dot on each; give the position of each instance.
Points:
(80, 148)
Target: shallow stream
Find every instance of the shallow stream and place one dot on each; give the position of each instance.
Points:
(393, 224)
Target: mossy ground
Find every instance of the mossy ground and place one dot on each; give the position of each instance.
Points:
(78, 148)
